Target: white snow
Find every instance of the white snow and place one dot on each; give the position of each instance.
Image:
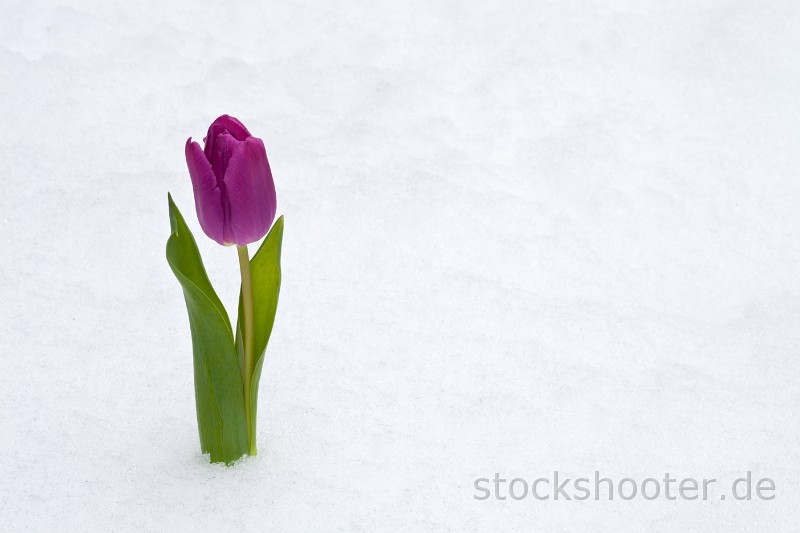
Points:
(521, 236)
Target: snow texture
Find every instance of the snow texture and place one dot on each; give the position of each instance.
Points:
(521, 236)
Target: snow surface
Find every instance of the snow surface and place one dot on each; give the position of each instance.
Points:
(521, 236)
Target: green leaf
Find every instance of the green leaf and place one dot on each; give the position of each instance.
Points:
(219, 393)
(265, 269)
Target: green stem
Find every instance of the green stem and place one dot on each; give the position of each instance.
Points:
(247, 332)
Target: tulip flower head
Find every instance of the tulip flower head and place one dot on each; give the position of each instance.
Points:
(233, 189)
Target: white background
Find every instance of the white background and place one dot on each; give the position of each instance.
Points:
(520, 237)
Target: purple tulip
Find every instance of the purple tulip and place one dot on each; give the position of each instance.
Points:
(233, 189)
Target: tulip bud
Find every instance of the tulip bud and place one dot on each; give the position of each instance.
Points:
(233, 189)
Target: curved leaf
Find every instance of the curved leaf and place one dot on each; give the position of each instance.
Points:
(265, 268)
(219, 394)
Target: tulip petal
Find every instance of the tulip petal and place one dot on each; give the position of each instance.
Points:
(234, 127)
(250, 192)
(221, 154)
(207, 195)
(224, 124)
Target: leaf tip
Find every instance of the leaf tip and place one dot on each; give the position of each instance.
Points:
(277, 230)
(174, 214)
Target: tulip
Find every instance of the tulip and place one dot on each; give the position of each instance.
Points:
(235, 200)
(233, 189)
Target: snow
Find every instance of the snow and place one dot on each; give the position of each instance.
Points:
(521, 236)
